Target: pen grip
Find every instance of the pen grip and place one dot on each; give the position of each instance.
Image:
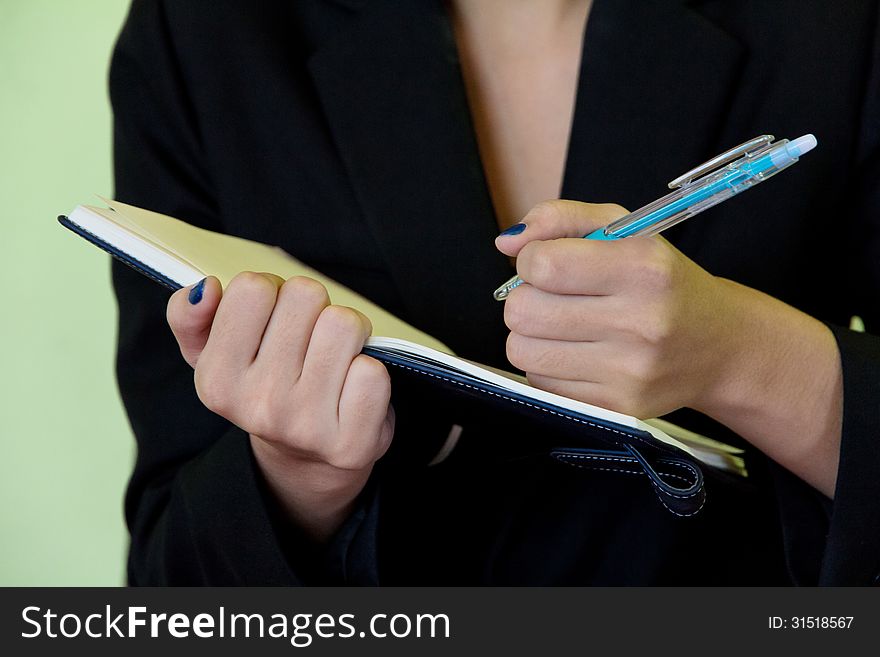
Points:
(696, 208)
(681, 204)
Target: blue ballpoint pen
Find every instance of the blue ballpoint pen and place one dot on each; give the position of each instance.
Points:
(700, 188)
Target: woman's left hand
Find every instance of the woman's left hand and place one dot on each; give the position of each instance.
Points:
(635, 326)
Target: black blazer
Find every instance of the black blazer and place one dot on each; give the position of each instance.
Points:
(340, 131)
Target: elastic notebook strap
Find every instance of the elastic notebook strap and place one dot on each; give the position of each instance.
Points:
(677, 482)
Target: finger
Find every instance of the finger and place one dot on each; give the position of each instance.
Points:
(554, 219)
(190, 313)
(579, 266)
(597, 394)
(616, 396)
(364, 404)
(241, 320)
(338, 337)
(589, 392)
(574, 361)
(535, 313)
(298, 305)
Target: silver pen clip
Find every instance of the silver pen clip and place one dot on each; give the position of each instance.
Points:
(750, 147)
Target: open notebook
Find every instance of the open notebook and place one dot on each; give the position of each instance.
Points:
(177, 254)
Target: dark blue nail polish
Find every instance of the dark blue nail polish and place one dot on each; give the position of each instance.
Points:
(195, 294)
(513, 230)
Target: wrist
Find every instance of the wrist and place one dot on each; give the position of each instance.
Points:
(778, 383)
(738, 369)
(761, 346)
(314, 495)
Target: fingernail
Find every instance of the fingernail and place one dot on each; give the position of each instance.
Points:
(513, 230)
(195, 294)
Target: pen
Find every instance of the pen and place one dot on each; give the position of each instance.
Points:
(712, 182)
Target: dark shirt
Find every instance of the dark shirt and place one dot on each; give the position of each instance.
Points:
(340, 131)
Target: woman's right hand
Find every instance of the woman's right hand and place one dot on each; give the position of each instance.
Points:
(276, 359)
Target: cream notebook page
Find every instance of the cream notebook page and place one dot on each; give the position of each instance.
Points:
(224, 256)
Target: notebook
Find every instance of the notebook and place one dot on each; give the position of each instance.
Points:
(176, 254)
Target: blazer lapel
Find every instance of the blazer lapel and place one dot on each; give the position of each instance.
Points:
(390, 86)
(651, 71)
(391, 89)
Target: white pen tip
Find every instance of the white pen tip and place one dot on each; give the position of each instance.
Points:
(802, 145)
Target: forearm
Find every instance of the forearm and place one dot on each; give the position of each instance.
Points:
(782, 386)
(636, 326)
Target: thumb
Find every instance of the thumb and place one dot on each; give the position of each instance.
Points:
(190, 314)
(550, 220)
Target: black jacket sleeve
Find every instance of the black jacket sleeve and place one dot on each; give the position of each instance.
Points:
(837, 542)
(852, 553)
(196, 505)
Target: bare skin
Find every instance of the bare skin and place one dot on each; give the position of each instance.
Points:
(520, 61)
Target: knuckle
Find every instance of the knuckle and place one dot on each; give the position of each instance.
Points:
(375, 373)
(612, 210)
(516, 352)
(367, 394)
(545, 210)
(250, 284)
(305, 432)
(656, 269)
(341, 319)
(245, 279)
(642, 370)
(518, 316)
(265, 413)
(345, 456)
(541, 269)
(306, 291)
(211, 389)
(658, 329)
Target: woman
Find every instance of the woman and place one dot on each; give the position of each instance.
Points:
(387, 145)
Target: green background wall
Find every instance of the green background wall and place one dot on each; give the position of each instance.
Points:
(66, 445)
